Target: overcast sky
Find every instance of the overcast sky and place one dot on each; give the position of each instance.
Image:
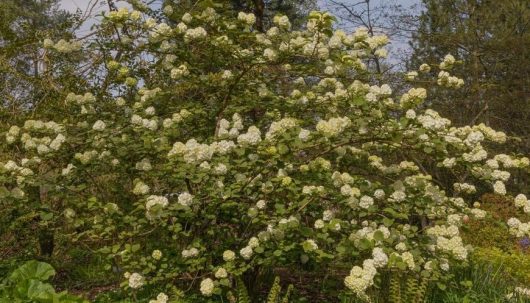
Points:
(73, 5)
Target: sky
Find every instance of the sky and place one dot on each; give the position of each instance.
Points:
(73, 5)
(397, 43)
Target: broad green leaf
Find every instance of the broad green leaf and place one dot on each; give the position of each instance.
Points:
(33, 270)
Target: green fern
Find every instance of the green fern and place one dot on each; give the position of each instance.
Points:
(422, 290)
(274, 293)
(395, 288)
(288, 293)
(242, 293)
(411, 288)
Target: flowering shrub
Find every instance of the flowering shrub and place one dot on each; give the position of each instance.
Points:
(206, 150)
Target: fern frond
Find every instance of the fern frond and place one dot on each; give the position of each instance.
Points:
(422, 290)
(395, 288)
(288, 293)
(274, 293)
(242, 293)
(411, 288)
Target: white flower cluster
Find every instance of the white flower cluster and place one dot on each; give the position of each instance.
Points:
(499, 188)
(185, 199)
(453, 245)
(447, 238)
(490, 133)
(361, 278)
(368, 231)
(87, 98)
(179, 72)
(63, 46)
(156, 254)
(161, 298)
(136, 280)
(42, 145)
(379, 257)
(282, 22)
(122, 14)
(310, 245)
(349, 191)
(207, 287)
(144, 165)
(509, 162)
(478, 213)
(476, 155)
(195, 34)
(224, 127)
(312, 189)
(425, 68)
(517, 228)
(447, 62)
(397, 196)
(190, 253)
(377, 92)
(408, 258)
(411, 75)
(465, 188)
(333, 126)
(99, 126)
(152, 201)
(278, 128)
(87, 156)
(229, 255)
(150, 124)
(176, 118)
(445, 79)
(251, 137)
(522, 202)
(20, 172)
(433, 121)
(246, 252)
(140, 188)
(192, 151)
(221, 273)
(365, 202)
(248, 19)
(414, 97)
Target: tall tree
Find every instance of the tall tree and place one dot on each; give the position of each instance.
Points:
(492, 39)
(24, 71)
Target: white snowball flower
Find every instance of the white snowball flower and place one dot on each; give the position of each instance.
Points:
(229, 255)
(499, 188)
(207, 287)
(185, 199)
(221, 273)
(136, 280)
(366, 202)
(157, 254)
(246, 252)
(99, 126)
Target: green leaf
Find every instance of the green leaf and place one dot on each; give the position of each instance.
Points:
(33, 270)
(379, 236)
(39, 291)
(388, 222)
(365, 244)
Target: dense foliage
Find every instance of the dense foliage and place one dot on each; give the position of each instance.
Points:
(478, 33)
(206, 152)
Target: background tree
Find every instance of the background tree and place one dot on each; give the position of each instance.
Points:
(27, 82)
(492, 40)
(31, 85)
